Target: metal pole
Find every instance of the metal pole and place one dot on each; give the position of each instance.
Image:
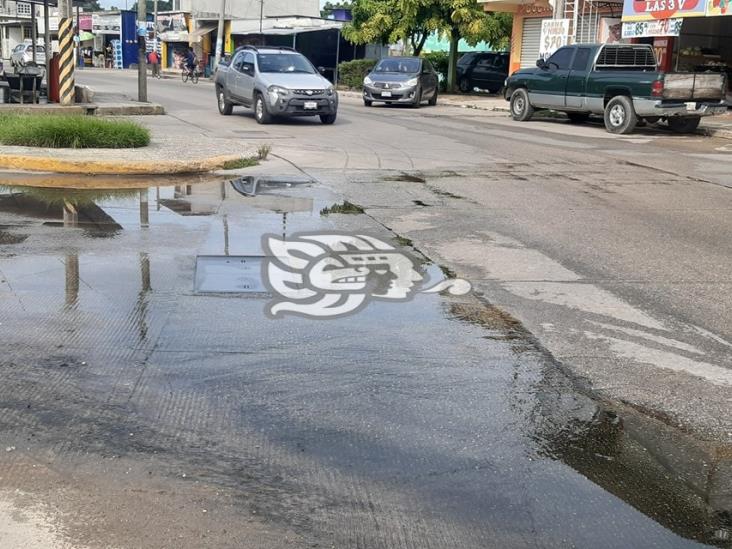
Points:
(141, 61)
(66, 50)
(294, 41)
(155, 31)
(46, 37)
(34, 30)
(338, 57)
(78, 36)
(220, 35)
(261, 16)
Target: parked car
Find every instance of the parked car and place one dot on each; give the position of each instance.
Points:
(483, 70)
(620, 82)
(405, 80)
(22, 54)
(275, 82)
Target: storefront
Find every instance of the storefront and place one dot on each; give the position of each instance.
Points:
(115, 38)
(696, 37)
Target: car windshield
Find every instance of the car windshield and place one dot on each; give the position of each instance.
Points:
(284, 62)
(398, 65)
(466, 59)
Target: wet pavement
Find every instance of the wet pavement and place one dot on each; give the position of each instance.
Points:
(140, 412)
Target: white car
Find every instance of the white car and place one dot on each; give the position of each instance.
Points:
(23, 54)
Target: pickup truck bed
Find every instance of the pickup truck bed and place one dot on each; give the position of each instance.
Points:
(621, 82)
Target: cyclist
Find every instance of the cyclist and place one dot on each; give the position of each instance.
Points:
(190, 61)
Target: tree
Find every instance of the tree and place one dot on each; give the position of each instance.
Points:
(328, 8)
(412, 21)
(466, 19)
(389, 21)
(163, 5)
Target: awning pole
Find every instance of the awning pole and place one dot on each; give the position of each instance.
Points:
(338, 58)
(34, 30)
(46, 37)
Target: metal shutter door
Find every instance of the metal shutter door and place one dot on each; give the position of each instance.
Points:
(530, 39)
(587, 28)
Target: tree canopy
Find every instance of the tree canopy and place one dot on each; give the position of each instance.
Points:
(412, 21)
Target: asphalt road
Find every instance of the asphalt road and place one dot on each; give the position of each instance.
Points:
(580, 398)
(612, 250)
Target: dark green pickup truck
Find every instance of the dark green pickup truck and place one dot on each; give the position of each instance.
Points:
(619, 81)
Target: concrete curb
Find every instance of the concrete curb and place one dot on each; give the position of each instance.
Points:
(99, 109)
(32, 163)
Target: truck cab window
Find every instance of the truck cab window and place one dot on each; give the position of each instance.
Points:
(581, 59)
(561, 59)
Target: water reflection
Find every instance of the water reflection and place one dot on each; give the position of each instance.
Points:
(662, 472)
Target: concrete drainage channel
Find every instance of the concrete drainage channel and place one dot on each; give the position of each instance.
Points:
(130, 367)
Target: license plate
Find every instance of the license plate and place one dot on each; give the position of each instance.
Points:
(691, 106)
(385, 94)
(310, 105)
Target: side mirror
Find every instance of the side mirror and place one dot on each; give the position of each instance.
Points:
(321, 70)
(541, 63)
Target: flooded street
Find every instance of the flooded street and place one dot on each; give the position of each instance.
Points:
(148, 400)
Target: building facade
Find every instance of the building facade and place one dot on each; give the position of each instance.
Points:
(15, 25)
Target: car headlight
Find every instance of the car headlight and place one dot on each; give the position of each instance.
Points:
(276, 92)
(412, 82)
(367, 81)
(330, 90)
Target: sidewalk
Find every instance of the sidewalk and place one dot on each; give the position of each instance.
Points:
(713, 126)
(169, 153)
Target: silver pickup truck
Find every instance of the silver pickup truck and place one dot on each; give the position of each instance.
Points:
(275, 82)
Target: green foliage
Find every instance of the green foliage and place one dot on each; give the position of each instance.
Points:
(70, 131)
(352, 73)
(239, 163)
(440, 61)
(328, 7)
(388, 21)
(345, 208)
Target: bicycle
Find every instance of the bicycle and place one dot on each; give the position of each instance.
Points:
(190, 74)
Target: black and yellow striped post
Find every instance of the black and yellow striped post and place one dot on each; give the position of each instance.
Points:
(66, 61)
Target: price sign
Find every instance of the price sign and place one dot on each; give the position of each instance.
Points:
(554, 35)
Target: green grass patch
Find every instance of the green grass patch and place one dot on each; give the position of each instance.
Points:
(70, 132)
(239, 163)
(345, 208)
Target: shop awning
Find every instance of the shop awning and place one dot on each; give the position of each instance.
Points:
(85, 36)
(200, 32)
(283, 26)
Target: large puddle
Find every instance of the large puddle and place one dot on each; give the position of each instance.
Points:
(439, 412)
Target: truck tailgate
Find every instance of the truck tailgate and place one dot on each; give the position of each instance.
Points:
(702, 85)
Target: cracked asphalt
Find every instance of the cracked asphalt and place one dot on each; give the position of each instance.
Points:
(579, 398)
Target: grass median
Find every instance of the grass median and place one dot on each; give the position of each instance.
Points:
(58, 131)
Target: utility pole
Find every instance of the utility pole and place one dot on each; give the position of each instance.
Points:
(220, 35)
(141, 61)
(66, 50)
(46, 37)
(261, 18)
(155, 28)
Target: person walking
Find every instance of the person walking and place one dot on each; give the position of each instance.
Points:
(154, 60)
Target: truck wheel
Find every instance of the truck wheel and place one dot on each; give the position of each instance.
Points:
(652, 119)
(261, 114)
(620, 115)
(521, 109)
(367, 102)
(578, 117)
(687, 124)
(464, 85)
(225, 107)
(433, 100)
